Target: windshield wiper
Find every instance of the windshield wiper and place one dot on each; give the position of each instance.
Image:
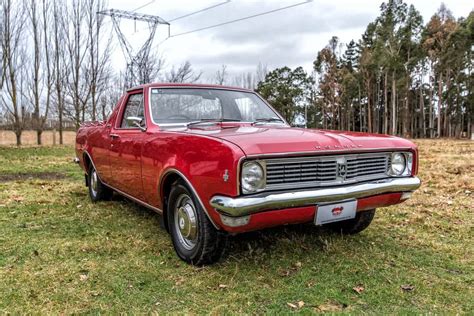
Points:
(267, 120)
(211, 120)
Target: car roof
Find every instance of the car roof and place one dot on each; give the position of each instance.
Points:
(187, 85)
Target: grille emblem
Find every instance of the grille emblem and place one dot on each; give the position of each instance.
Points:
(342, 169)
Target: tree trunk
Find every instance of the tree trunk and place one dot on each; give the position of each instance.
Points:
(446, 118)
(385, 101)
(394, 105)
(430, 119)
(369, 114)
(360, 110)
(38, 137)
(60, 127)
(440, 97)
(422, 110)
(18, 137)
(377, 108)
(406, 109)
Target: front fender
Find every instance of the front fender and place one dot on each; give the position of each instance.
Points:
(207, 165)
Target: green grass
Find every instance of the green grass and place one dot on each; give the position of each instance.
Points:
(59, 253)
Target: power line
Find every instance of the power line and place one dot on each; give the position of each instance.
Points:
(196, 12)
(241, 19)
(145, 5)
(232, 21)
(202, 10)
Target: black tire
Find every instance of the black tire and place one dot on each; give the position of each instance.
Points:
(355, 225)
(194, 238)
(97, 190)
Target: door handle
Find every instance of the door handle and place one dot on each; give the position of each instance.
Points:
(114, 136)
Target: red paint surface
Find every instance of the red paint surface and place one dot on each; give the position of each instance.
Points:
(138, 162)
(306, 214)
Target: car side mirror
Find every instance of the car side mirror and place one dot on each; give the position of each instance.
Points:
(136, 121)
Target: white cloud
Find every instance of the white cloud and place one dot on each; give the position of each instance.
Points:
(291, 37)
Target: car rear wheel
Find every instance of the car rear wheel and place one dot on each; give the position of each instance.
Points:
(97, 190)
(355, 225)
(195, 239)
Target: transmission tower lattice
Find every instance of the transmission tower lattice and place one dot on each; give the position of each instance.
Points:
(137, 71)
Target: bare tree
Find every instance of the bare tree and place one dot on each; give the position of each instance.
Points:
(250, 80)
(183, 73)
(48, 80)
(14, 57)
(2, 55)
(98, 64)
(40, 111)
(261, 73)
(59, 69)
(77, 47)
(112, 94)
(221, 75)
(151, 68)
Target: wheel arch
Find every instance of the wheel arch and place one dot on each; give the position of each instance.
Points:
(87, 161)
(170, 177)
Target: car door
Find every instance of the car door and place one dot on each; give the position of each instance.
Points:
(126, 147)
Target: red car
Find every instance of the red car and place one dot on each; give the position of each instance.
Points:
(217, 160)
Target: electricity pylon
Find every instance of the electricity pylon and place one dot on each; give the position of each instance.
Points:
(136, 71)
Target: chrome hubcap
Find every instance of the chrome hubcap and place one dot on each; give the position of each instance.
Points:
(185, 221)
(94, 182)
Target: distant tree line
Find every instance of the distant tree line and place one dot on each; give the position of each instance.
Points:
(402, 77)
(55, 61)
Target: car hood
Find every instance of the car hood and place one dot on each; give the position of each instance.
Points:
(255, 140)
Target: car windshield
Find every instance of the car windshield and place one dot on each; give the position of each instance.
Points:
(186, 105)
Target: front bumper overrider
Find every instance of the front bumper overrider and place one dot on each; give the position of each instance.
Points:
(247, 205)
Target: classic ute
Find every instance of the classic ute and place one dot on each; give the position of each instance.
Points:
(217, 160)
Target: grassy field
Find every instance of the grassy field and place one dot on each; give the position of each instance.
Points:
(61, 254)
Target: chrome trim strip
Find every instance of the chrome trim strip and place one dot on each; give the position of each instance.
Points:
(322, 152)
(159, 211)
(246, 205)
(192, 189)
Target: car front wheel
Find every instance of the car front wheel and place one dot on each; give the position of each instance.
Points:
(195, 239)
(355, 225)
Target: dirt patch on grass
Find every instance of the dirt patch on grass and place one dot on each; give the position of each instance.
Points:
(5, 177)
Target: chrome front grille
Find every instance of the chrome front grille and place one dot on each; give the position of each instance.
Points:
(302, 172)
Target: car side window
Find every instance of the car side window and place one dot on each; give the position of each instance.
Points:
(134, 107)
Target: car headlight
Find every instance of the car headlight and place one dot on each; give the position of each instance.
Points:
(401, 164)
(253, 177)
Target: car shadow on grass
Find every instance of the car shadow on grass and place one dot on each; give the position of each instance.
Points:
(296, 238)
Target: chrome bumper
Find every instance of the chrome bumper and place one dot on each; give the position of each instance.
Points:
(246, 205)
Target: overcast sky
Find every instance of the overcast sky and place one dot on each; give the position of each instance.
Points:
(291, 37)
